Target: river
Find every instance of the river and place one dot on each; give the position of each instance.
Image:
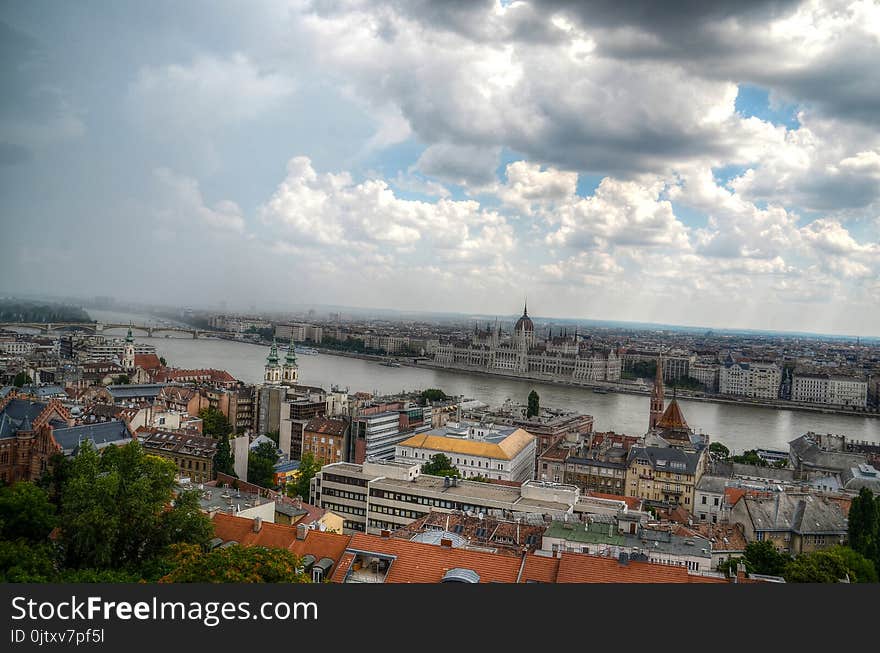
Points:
(739, 427)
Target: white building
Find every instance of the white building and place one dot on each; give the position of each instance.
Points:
(706, 372)
(831, 390)
(759, 380)
(499, 453)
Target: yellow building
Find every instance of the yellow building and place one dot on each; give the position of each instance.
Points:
(665, 475)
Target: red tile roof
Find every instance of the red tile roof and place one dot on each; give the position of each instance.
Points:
(633, 503)
(583, 568)
(148, 362)
(317, 543)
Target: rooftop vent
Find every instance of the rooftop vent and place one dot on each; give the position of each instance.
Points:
(461, 575)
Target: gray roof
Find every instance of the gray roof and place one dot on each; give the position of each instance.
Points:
(864, 475)
(715, 484)
(799, 513)
(667, 459)
(18, 415)
(576, 460)
(5, 390)
(144, 390)
(808, 451)
(44, 391)
(100, 434)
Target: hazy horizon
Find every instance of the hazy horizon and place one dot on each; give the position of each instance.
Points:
(711, 164)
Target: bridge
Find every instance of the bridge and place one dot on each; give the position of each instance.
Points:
(147, 330)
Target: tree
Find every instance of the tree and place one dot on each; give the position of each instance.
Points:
(22, 378)
(749, 457)
(122, 379)
(534, 407)
(115, 509)
(763, 558)
(718, 452)
(274, 436)
(223, 459)
(860, 569)
(25, 513)
(261, 465)
(185, 522)
(308, 467)
(25, 562)
(816, 567)
(440, 465)
(431, 395)
(234, 564)
(214, 422)
(864, 526)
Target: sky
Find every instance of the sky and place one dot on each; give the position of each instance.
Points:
(714, 164)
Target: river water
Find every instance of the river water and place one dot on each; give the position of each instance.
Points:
(739, 427)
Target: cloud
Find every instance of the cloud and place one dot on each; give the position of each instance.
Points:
(331, 210)
(185, 207)
(528, 184)
(619, 213)
(209, 93)
(36, 112)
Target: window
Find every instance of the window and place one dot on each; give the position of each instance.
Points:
(716, 501)
(704, 500)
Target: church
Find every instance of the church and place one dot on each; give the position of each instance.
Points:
(564, 357)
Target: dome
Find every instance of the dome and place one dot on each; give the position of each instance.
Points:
(525, 322)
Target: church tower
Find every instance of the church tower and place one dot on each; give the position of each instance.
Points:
(290, 370)
(657, 395)
(128, 351)
(272, 374)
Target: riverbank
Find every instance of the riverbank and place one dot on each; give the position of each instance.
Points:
(628, 389)
(610, 388)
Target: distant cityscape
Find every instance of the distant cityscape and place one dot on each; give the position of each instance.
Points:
(389, 474)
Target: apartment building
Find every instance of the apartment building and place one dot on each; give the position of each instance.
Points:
(829, 389)
(759, 380)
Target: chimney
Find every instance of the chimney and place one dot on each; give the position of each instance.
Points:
(258, 524)
(385, 534)
(301, 531)
(623, 559)
(444, 542)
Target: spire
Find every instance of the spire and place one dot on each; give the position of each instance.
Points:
(272, 358)
(290, 359)
(657, 395)
(129, 337)
(526, 307)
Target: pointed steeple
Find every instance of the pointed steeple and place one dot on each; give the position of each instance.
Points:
(526, 307)
(657, 395)
(290, 359)
(272, 358)
(129, 337)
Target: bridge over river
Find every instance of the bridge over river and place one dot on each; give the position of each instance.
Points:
(142, 330)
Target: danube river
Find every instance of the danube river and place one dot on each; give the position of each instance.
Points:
(740, 427)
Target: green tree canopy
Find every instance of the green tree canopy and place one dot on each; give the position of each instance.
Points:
(308, 467)
(763, 558)
(223, 459)
(816, 567)
(234, 564)
(26, 562)
(864, 526)
(534, 407)
(115, 509)
(214, 422)
(432, 394)
(22, 378)
(440, 465)
(860, 569)
(25, 513)
(718, 452)
(261, 465)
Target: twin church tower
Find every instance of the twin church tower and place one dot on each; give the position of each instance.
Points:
(278, 374)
